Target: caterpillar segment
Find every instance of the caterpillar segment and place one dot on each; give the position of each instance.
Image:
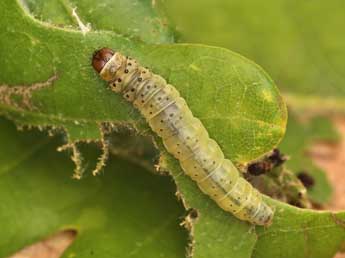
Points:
(183, 135)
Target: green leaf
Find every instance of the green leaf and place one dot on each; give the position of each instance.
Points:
(244, 110)
(235, 99)
(135, 18)
(291, 40)
(125, 212)
(295, 232)
(301, 233)
(37, 202)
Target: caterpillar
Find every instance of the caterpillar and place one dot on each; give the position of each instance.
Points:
(183, 135)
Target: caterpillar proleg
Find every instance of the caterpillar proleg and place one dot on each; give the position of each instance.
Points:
(183, 135)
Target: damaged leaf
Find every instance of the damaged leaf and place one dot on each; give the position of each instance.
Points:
(78, 102)
(126, 210)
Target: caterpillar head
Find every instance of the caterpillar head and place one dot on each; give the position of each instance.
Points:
(107, 62)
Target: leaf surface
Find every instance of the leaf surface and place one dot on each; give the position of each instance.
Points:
(244, 110)
(125, 212)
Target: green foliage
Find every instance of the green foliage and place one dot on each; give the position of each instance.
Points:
(78, 100)
(299, 43)
(125, 209)
(135, 18)
(114, 214)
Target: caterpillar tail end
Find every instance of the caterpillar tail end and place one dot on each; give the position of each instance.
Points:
(265, 216)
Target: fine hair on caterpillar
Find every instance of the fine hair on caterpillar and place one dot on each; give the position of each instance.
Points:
(183, 135)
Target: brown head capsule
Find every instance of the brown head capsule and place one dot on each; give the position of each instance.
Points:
(101, 57)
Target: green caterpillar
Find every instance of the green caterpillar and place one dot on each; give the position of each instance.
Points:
(184, 136)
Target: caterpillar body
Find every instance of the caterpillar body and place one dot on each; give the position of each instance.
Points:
(183, 135)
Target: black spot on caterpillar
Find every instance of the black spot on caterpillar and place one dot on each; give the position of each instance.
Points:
(184, 136)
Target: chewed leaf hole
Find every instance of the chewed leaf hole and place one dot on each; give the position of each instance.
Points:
(19, 96)
(50, 247)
